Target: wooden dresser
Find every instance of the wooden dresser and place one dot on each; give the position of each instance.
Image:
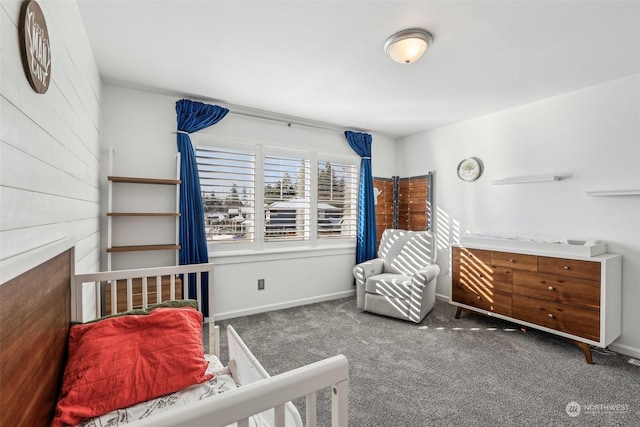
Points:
(578, 298)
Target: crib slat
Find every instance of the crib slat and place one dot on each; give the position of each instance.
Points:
(98, 300)
(339, 404)
(185, 286)
(199, 290)
(172, 291)
(278, 416)
(145, 293)
(129, 293)
(114, 297)
(311, 409)
(158, 290)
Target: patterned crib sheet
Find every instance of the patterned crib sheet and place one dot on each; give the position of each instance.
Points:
(222, 381)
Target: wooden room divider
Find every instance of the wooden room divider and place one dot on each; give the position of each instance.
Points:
(403, 203)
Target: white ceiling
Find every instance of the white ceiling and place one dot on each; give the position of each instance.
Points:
(324, 60)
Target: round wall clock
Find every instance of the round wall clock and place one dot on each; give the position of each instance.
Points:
(469, 169)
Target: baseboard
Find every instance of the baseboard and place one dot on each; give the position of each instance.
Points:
(282, 305)
(625, 349)
(441, 297)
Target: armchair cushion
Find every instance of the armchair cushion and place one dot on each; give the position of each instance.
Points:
(390, 251)
(388, 284)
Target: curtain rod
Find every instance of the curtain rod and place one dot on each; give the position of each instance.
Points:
(291, 123)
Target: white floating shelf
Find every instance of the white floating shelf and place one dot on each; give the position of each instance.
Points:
(610, 193)
(527, 179)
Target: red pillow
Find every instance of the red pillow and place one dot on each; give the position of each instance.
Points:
(123, 361)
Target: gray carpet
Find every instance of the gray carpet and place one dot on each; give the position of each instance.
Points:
(474, 371)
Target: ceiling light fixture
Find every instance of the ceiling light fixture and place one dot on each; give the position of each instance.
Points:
(407, 46)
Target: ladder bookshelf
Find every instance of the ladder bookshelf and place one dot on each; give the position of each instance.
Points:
(116, 218)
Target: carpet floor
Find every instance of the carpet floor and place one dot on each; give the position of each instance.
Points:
(473, 371)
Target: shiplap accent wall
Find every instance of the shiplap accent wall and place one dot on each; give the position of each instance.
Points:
(49, 143)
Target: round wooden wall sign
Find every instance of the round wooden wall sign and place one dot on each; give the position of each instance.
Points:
(36, 48)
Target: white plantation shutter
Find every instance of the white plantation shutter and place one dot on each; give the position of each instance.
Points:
(337, 200)
(227, 181)
(286, 198)
(255, 195)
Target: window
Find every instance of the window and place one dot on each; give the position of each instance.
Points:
(257, 196)
(286, 198)
(337, 183)
(227, 182)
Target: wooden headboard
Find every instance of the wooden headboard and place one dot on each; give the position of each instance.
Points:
(35, 315)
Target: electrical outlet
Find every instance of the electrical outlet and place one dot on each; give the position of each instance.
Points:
(260, 284)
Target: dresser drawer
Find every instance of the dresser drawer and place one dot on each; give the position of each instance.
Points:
(495, 302)
(514, 261)
(562, 289)
(570, 267)
(478, 256)
(482, 277)
(561, 317)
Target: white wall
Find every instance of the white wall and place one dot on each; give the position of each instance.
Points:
(49, 143)
(138, 126)
(592, 134)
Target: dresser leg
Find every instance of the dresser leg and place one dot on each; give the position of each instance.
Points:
(585, 349)
(458, 311)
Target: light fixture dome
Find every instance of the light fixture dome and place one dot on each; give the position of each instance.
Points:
(407, 46)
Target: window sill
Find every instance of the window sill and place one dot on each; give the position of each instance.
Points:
(239, 257)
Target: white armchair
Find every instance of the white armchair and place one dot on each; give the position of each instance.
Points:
(401, 282)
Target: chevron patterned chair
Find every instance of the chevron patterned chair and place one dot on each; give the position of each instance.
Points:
(401, 282)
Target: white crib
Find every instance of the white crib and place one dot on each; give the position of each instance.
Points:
(43, 281)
